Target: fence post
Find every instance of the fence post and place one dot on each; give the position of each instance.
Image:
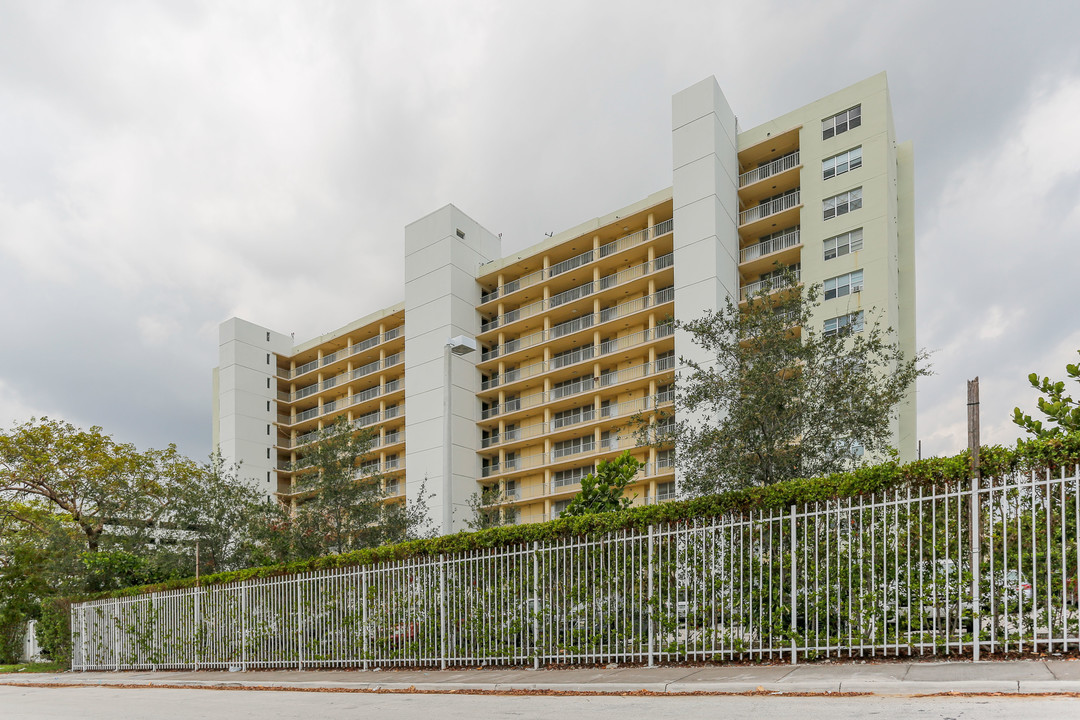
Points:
(974, 531)
(85, 640)
(299, 622)
(534, 605)
(442, 611)
(198, 624)
(364, 614)
(155, 614)
(71, 623)
(243, 624)
(116, 635)
(652, 624)
(794, 594)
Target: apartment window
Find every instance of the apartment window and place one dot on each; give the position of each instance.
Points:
(569, 357)
(665, 491)
(850, 448)
(573, 416)
(665, 361)
(573, 446)
(843, 203)
(844, 324)
(666, 459)
(841, 122)
(512, 491)
(571, 476)
(840, 164)
(842, 285)
(849, 242)
(558, 507)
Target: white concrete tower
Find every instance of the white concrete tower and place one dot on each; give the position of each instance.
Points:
(705, 181)
(245, 399)
(442, 253)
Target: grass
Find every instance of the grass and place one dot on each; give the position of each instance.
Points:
(33, 667)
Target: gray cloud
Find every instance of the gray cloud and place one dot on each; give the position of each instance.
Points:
(165, 166)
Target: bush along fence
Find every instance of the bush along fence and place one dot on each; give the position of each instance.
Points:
(943, 568)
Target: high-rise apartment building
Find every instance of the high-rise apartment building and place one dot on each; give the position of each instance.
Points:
(574, 336)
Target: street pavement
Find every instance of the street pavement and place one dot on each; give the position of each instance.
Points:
(874, 677)
(114, 703)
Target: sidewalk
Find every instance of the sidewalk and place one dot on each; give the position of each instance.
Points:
(886, 678)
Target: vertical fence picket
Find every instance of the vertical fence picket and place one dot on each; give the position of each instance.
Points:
(910, 572)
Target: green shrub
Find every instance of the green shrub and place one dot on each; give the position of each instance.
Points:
(1038, 454)
(54, 630)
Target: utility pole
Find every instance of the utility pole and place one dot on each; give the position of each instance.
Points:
(973, 447)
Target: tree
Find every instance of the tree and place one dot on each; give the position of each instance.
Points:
(339, 507)
(222, 512)
(91, 479)
(781, 400)
(1060, 409)
(485, 509)
(603, 490)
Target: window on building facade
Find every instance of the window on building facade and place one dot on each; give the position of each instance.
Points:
(665, 491)
(573, 446)
(842, 204)
(573, 416)
(571, 476)
(558, 507)
(843, 244)
(844, 324)
(840, 164)
(842, 285)
(841, 122)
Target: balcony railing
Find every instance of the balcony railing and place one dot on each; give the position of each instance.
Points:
(770, 246)
(765, 209)
(344, 377)
(585, 321)
(578, 292)
(767, 285)
(586, 352)
(588, 414)
(580, 386)
(539, 460)
(366, 420)
(372, 468)
(776, 166)
(611, 248)
(342, 353)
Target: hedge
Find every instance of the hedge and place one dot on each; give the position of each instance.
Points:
(995, 460)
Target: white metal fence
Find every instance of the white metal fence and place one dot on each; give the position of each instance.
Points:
(892, 574)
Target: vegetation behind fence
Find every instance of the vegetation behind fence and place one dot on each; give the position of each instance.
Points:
(801, 571)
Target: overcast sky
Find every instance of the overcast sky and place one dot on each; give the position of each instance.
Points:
(165, 166)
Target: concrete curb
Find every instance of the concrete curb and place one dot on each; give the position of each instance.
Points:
(1013, 678)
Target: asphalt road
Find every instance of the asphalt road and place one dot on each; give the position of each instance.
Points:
(104, 703)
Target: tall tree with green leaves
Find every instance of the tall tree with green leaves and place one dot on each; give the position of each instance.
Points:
(1061, 410)
(781, 399)
(604, 490)
(339, 507)
(487, 511)
(102, 486)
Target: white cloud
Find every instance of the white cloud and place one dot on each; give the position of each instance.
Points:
(164, 166)
(994, 269)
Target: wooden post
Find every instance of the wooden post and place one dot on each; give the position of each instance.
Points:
(974, 531)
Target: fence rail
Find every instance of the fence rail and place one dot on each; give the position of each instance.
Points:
(889, 574)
